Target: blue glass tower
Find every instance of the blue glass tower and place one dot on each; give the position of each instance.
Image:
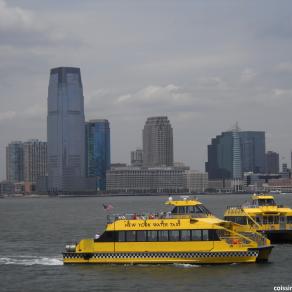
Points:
(98, 158)
(234, 152)
(65, 131)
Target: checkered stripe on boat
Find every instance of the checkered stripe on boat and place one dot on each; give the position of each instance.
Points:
(143, 255)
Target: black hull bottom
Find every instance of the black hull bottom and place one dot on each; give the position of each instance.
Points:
(279, 236)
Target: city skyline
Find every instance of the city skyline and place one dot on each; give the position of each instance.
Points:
(203, 65)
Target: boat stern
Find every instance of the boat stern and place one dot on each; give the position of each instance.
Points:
(263, 253)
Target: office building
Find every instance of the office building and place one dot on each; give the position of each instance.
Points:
(14, 162)
(137, 157)
(272, 162)
(224, 160)
(34, 160)
(98, 158)
(253, 151)
(66, 131)
(6, 187)
(234, 152)
(146, 180)
(196, 181)
(157, 142)
(285, 168)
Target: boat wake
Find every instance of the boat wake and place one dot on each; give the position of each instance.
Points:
(186, 266)
(30, 260)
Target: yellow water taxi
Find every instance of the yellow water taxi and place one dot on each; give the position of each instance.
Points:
(189, 233)
(262, 214)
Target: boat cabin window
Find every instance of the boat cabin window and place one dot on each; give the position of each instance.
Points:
(270, 219)
(131, 235)
(196, 234)
(152, 235)
(264, 202)
(173, 235)
(141, 235)
(258, 219)
(185, 235)
(237, 219)
(289, 219)
(165, 235)
(107, 236)
(122, 236)
(198, 209)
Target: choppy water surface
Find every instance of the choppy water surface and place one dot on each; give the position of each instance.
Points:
(33, 232)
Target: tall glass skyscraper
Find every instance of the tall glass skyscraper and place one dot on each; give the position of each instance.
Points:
(157, 142)
(253, 151)
(234, 152)
(66, 131)
(98, 150)
(221, 164)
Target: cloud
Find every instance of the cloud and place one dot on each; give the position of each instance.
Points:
(22, 28)
(14, 18)
(158, 99)
(156, 95)
(284, 67)
(36, 111)
(282, 92)
(248, 75)
(9, 115)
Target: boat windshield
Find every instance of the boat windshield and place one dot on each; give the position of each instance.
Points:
(198, 209)
(264, 202)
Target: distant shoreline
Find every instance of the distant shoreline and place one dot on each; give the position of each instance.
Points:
(23, 196)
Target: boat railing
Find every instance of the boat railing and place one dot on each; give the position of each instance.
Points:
(234, 208)
(257, 237)
(233, 238)
(250, 206)
(149, 216)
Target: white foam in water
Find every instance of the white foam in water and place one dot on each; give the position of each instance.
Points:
(30, 261)
(186, 266)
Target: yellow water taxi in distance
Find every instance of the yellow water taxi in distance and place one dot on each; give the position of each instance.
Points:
(189, 233)
(262, 214)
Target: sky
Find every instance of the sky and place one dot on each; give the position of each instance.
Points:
(205, 64)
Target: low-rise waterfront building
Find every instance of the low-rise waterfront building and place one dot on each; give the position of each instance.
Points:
(196, 181)
(146, 180)
(6, 187)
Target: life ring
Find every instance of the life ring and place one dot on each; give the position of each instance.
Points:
(235, 241)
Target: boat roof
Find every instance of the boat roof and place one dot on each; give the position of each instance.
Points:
(211, 220)
(184, 201)
(262, 197)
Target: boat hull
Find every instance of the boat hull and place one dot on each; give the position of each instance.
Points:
(263, 253)
(279, 236)
(222, 257)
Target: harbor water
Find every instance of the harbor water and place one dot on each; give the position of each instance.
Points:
(34, 232)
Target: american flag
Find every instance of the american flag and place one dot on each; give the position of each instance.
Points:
(107, 207)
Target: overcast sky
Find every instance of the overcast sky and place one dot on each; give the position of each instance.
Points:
(204, 64)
